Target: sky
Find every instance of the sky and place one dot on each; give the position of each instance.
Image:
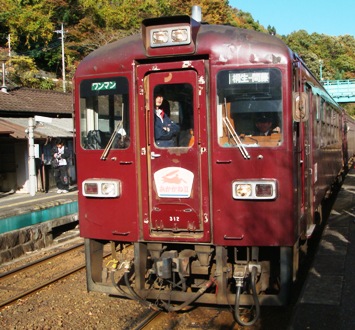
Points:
(333, 18)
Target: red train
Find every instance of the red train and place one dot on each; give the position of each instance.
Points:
(216, 211)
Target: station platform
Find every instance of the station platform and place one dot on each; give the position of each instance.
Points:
(12, 203)
(327, 299)
(29, 223)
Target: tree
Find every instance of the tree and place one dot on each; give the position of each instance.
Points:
(90, 24)
(24, 72)
(271, 30)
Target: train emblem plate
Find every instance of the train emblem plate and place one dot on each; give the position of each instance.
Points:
(173, 182)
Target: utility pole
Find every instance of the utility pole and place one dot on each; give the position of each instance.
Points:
(31, 156)
(63, 60)
(9, 42)
(3, 87)
(32, 124)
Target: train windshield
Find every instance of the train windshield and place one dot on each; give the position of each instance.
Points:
(104, 115)
(249, 107)
(176, 101)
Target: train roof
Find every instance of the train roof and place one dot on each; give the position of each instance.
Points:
(221, 44)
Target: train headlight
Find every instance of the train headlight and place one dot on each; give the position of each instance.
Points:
(180, 35)
(108, 188)
(160, 37)
(254, 189)
(243, 190)
(170, 36)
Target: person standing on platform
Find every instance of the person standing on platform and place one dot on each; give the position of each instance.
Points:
(60, 156)
(46, 163)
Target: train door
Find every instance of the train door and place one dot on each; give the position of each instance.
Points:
(303, 134)
(299, 132)
(175, 193)
(309, 171)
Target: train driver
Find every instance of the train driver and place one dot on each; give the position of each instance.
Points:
(264, 123)
(165, 130)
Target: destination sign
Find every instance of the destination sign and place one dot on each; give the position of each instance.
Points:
(249, 78)
(103, 86)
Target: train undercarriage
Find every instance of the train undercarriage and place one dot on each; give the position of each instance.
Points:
(174, 276)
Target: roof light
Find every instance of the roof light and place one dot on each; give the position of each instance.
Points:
(179, 35)
(170, 36)
(160, 37)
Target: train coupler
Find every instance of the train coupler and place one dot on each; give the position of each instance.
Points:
(242, 271)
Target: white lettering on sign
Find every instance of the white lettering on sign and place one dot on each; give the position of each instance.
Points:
(249, 78)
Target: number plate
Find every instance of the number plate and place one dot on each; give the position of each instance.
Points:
(174, 217)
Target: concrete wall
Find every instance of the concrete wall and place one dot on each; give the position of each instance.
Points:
(16, 243)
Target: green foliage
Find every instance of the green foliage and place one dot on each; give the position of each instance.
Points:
(22, 71)
(246, 21)
(349, 108)
(89, 24)
(271, 30)
(335, 54)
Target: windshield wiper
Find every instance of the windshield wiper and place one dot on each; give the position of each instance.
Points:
(110, 142)
(236, 138)
(234, 134)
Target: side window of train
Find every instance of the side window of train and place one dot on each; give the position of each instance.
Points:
(249, 107)
(173, 115)
(318, 122)
(104, 113)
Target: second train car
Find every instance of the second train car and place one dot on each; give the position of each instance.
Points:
(217, 213)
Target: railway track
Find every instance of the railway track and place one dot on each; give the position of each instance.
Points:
(147, 322)
(27, 279)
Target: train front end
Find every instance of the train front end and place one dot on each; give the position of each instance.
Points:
(212, 211)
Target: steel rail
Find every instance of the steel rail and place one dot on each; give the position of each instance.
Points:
(153, 315)
(45, 283)
(39, 261)
(42, 285)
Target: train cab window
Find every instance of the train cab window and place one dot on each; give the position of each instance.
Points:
(249, 108)
(104, 113)
(173, 115)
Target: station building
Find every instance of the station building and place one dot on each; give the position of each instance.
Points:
(17, 107)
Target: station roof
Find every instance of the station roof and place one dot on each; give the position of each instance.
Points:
(19, 101)
(17, 105)
(16, 128)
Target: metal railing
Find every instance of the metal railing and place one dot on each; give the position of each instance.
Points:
(341, 90)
